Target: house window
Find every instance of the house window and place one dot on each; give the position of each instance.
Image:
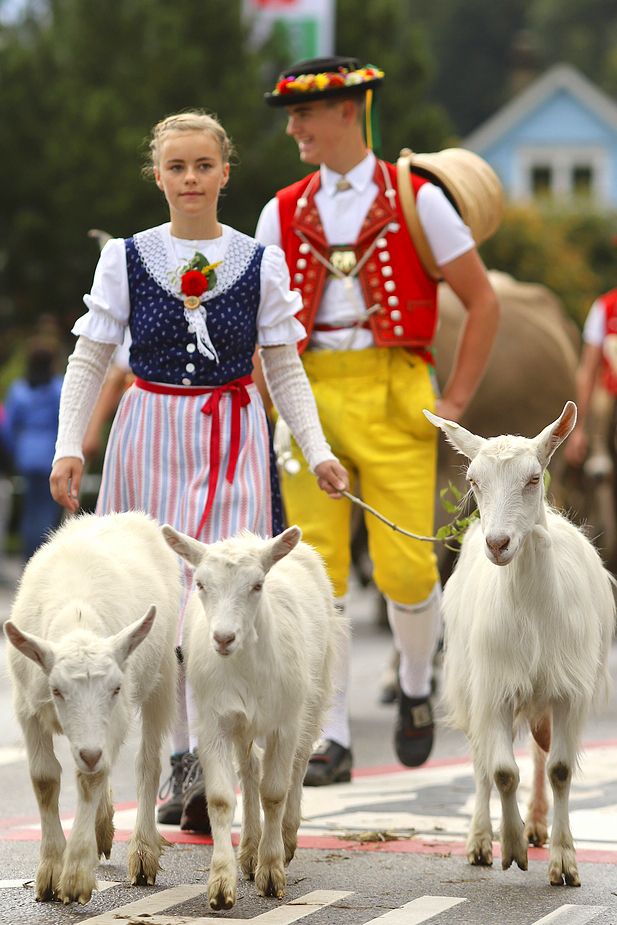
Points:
(582, 179)
(541, 180)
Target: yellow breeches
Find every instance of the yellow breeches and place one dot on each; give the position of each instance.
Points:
(370, 405)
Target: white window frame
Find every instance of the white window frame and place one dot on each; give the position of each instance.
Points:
(561, 159)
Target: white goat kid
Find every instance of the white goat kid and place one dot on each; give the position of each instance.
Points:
(83, 655)
(526, 641)
(259, 640)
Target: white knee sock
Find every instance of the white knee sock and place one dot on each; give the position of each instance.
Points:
(416, 629)
(336, 726)
(180, 732)
(192, 714)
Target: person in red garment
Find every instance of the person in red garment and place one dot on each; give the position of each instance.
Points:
(370, 312)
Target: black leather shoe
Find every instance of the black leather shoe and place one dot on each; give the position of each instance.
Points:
(413, 733)
(194, 808)
(330, 763)
(170, 813)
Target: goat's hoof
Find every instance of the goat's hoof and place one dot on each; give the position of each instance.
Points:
(271, 881)
(47, 880)
(562, 868)
(247, 859)
(480, 851)
(104, 839)
(509, 857)
(143, 861)
(536, 834)
(221, 894)
(76, 885)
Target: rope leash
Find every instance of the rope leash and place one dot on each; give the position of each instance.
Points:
(393, 526)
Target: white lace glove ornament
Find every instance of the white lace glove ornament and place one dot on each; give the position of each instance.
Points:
(82, 384)
(293, 398)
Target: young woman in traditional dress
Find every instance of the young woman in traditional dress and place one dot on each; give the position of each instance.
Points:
(191, 442)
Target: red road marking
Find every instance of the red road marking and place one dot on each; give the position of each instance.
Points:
(26, 828)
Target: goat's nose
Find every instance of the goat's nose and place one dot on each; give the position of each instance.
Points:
(224, 640)
(498, 545)
(90, 757)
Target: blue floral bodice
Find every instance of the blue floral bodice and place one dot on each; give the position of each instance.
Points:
(165, 346)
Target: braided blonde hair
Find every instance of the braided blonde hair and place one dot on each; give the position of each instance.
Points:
(194, 120)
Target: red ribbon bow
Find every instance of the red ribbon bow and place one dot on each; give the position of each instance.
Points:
(240, 398)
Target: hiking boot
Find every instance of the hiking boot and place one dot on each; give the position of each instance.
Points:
(330, 763)
(169, 813)
(194, 809)
(413, 733)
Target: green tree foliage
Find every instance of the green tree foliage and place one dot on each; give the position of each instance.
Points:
(582, 32)
(384, 33)
(83, 85)
(472, 42)
(568, 251)
(477, 47)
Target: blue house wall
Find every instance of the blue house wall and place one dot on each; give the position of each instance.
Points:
(562, 119)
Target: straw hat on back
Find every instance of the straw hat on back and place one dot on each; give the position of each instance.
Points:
(471, 185)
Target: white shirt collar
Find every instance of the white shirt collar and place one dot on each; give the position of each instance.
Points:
(359, 176)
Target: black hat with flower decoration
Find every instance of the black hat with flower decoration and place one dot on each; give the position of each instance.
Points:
(322, 78)
(328, 78)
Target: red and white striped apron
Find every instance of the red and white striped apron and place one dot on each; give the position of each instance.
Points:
(161, 456)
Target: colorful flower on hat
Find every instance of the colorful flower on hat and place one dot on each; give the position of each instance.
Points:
(311, 83)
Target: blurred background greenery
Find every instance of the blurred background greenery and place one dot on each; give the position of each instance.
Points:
(83, 82)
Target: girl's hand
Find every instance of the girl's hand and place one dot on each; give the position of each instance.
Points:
(65, 482)
(332, 478)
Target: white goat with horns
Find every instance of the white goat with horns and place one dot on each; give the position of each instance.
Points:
(527, 641)
(89, 595)
(259, 641)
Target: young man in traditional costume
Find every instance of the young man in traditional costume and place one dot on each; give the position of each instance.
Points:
(370, 312)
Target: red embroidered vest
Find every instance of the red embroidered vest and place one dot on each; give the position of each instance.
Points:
(392, 276)
(609, 375)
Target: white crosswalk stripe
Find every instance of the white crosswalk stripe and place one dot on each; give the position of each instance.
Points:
(165, 899)
(419, 910)
(152, 908)
(571, 915)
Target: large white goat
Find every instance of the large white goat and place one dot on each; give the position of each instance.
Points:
(259, 640)
(529, 640)
(77, 617)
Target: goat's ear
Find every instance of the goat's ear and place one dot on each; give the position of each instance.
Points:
(127, 640)
(462, 440)
(185, 546)
(279, 547)
(553, 435)
(32, 647)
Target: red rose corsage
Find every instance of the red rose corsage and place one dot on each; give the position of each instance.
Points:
(196, 278)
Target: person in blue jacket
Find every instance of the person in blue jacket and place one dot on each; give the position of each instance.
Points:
(31, 410)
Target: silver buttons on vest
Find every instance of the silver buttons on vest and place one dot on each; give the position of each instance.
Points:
(395, 315)
(386, 271)
(399, 330)
(381, 242)
(186, 381)
(298, 277)
(190, 367)
(191, 348)
(390, 285)
(384, 256)
(304, 248)
(301, 263)
(392, 302)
